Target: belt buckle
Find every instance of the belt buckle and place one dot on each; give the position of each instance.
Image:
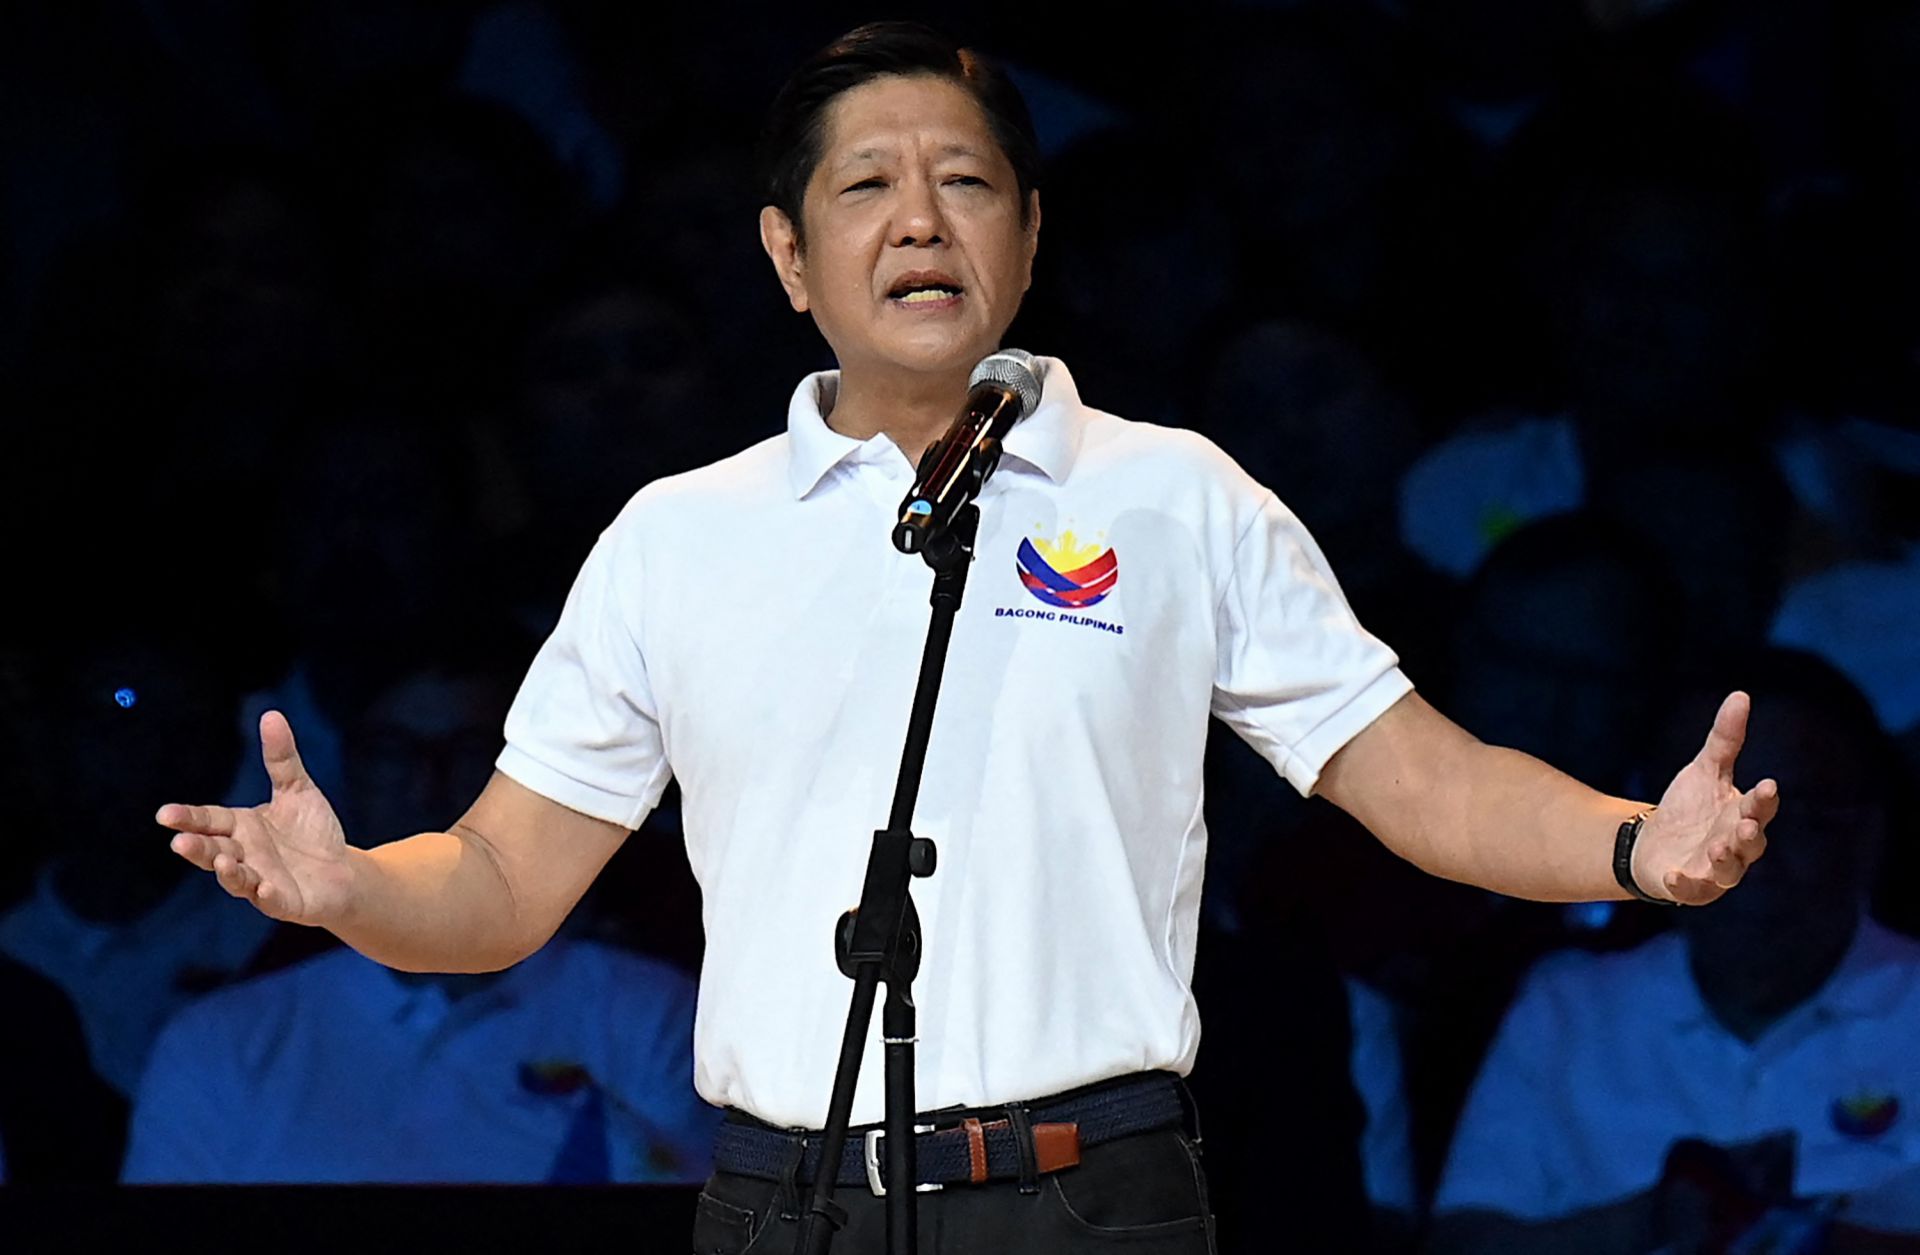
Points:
(872, 1154)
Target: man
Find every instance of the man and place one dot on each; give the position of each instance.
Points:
(1698, 1085)
(1064, 768)
(573, 1066)
(125, 931)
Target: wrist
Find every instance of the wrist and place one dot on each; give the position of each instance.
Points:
(1629, 866)
(342, 908)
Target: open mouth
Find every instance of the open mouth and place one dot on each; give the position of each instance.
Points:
(924, 289)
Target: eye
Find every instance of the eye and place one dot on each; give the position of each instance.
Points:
(968, 180)
(864, 184)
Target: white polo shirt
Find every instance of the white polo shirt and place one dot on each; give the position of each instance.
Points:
(127, 979)
(1604, 1061)
(749, 628)
(572, 1067)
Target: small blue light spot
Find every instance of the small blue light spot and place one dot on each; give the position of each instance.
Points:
(1590, 917)
(922, 506)
(125, 698)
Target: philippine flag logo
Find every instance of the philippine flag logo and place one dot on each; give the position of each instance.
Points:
(1067, 572)
(1866, 1114)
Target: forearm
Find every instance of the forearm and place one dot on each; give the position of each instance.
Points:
(1517, 825)
(1442, 799)
(436, 902)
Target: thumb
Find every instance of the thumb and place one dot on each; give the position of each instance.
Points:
(281, 756)
(1728, 734)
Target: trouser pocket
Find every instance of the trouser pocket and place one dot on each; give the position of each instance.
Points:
(731, 1212)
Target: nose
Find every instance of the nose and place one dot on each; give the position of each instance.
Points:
(917, 216)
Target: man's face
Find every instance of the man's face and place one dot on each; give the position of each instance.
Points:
(912, 193)
(422, 751)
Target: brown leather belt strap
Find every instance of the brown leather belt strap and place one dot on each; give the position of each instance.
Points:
(976, 1149)
(982, 1145)
(1056, 1146)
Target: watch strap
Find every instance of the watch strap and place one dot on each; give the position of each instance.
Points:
(1623, 843)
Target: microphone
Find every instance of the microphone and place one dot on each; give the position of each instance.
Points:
(1003, 389)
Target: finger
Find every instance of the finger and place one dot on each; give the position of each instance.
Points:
(1687, 891)
(215, 820)
(200, 849)
(1728, 734)
(1761, 803)
(235, 876)
(1725, 865)
(194, 848)
(280, 754)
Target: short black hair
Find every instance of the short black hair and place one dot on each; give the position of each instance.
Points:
(795, 135)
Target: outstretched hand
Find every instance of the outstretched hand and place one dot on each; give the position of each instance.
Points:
(1706, 832)
(287, 857)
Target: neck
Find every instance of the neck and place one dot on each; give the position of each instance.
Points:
(1747, 996)
(456, 985)
(913, 410)
(118, 888)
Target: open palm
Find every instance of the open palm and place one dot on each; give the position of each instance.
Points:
(1706, 832)
(289, 856)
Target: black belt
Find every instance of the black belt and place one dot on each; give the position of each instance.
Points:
(977, 1144)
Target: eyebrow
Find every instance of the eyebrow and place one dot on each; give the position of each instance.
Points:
(868, 154)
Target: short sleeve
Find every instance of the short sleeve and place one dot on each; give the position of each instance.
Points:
(650, 1007)
(584, 730)
(189, 1109)
(1298, 676)
(1509, 1153)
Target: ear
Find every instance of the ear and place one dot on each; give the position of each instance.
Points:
(1033, 233)
(777, 236)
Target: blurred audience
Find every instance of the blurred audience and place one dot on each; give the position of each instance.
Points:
(1386, 1139)
(1127, 299)
(369, 570)
(1562, 647)
(1859, 612)
(58, 1121)
(1748, 1072)
(1646, 234)
(616, 367)
(1581, 333)
(455, 212)
(574, 1066)
(114, 918)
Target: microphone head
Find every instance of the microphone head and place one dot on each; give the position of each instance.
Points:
(1015, 369)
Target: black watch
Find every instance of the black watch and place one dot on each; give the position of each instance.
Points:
(1623, 859)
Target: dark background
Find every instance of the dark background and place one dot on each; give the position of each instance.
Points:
(333, 331)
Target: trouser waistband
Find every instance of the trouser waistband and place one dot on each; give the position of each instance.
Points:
(1019, 1140)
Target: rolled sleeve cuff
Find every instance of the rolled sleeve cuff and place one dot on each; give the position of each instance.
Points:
(616, 808)
(1307, 757)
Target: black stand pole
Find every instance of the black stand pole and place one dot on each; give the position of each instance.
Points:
(880, 941)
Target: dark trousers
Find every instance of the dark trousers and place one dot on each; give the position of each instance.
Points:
(1145, 1194)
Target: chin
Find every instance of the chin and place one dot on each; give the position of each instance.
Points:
(948, 364)
(935, 349)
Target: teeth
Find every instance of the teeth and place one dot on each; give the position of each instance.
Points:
(925, 294)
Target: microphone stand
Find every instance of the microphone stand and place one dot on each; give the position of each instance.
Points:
(879, 941)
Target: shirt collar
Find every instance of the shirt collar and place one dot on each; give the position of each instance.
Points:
(384, 991)
(1870, 975)
(1047, 440)
(1877, 967)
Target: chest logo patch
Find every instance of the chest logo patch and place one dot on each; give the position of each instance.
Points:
(1865, 1115)
(1068, 572)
